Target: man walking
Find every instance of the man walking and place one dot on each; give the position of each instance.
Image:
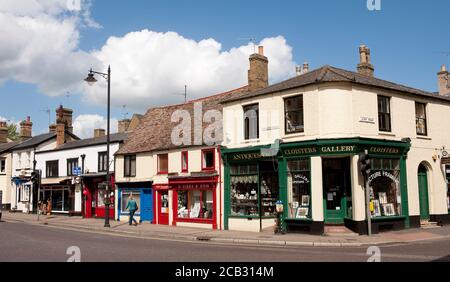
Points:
(132, 207)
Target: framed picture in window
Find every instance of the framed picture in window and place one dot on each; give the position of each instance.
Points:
(302, 213)
(389, 209)
(305, 200)
(382, 197)
(377, 208)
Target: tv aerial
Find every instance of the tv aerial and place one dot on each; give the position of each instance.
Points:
(184, 94)
(251, 40)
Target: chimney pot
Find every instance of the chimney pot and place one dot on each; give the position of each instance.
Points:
(261, 50)
(364, 66)
(305, 67)
(298, 70)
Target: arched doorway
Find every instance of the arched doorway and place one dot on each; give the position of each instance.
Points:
(423, 192)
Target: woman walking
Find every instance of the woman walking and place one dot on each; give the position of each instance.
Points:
(132, 207)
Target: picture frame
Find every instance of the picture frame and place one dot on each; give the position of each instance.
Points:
(306, 200)
(302, 212)
(389, 209)
(382, 196)
(377, 208)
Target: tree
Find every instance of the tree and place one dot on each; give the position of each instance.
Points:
(12, 132)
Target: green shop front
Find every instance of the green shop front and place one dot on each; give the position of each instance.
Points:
(319, 183)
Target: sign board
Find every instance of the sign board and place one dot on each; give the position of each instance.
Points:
(77, 171)
(367, 120)
(445, 161)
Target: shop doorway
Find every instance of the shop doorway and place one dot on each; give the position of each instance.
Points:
(423, 192)
(163, 207)
(336, 189)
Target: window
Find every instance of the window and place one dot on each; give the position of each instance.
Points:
(130, 166)
(184, 161)
(251, 122)
(208, 160)
(293, 115)
(102, 162)
(52, 169)
(244, 190)
(71, 165)
(384, 113)
(2, 166)
(195, 204)
(163, 163)
(25, 193)
(384, 188)
(299, 189)
(421, 119)
(125, 197)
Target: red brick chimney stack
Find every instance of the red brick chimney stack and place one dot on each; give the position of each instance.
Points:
(26, 129)
(258, 74)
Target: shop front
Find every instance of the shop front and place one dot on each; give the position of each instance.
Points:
(194, 200)
(320, 184)
(142, 192)
(59, 197)
(95, 194)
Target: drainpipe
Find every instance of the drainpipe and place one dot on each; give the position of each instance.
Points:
(83, 197)
(220, 187)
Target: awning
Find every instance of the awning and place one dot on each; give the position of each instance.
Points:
(59, 180)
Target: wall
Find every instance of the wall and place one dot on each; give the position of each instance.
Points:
(5, 179)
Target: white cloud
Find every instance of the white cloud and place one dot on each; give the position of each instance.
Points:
(84, 125)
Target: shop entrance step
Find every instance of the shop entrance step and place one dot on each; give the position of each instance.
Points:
(426, 224)
(338, 230)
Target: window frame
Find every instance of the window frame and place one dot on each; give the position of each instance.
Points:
(3, 171)
(302, 130)
(99, 156)
(157, 164)
(69, 161)
(213, 167)
(185, 154)
(47, 163)
(247, 128)
(387, 116)
(129, 159)
(423, 119)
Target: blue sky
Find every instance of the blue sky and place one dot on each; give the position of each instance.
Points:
(405, 37)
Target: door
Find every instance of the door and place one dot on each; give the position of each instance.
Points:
(146, 208)
(336, 183)
(423, 193)
(163, 207)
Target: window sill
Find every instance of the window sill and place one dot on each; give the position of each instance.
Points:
(423, 137)
(250, 141)
(294, 135)
(383, 218)
(386, 134)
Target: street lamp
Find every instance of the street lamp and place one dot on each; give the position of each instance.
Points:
(90, 79)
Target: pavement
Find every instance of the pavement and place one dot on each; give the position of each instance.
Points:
(265, 238)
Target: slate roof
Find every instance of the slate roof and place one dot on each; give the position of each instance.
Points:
(7, 146)
(34, 141)
(114, 138)
(155, 129)
(332, 74)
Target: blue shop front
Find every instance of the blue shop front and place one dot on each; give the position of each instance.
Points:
(142, 192)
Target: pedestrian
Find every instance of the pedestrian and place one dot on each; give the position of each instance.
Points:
(49, 206)
(132, 207)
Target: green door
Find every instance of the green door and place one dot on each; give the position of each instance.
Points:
(335, 186)
(423, 193)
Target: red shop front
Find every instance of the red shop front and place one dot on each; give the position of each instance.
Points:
(94, 195)
(194, 200)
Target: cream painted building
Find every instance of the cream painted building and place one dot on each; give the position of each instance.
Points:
(302, 138)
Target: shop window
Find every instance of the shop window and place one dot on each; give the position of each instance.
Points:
(244, 190)
(184, 161)
(251, 122)
(125, 196)
(62, 198)
(2, 166)
(163, 163)
(208, 160)
(293, 115)
(72, 164)
(421, 119)
(299, 189)
(195, 204)
(268, 188)
(130, 166)
(384, 113)
(102, 162)
(384, 188)
(25, 193)
(52, 169)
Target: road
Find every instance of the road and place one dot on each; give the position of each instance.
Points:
(21, 242)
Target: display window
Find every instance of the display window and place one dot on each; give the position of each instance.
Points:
(299, 189)
(62, 198)
(384, 188)
(244, 190)
(125, 195)
(195, 204)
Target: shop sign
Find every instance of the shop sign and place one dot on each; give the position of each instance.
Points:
(382, 174)
(384, 150)
(298, 178)
(246, 156)
(300, 151)
(194, 186)
(338, 149)
(445, 161)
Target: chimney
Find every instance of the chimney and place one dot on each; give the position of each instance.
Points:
(67, 116)
(123, 125)
(60, 127)
(258, 74)
(364, 66)
(298, 70)
(26, 129)
(52, 128)
(305, 67)
(99, 132)
(3, 132)
(444, 81)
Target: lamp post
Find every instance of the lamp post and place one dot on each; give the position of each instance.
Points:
(91, 80)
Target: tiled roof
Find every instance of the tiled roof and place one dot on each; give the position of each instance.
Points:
(114, 138)
(332, 74)
(155, 129)
(34, 141)
(7, 146)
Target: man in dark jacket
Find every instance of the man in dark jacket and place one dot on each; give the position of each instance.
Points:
(132, 207)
